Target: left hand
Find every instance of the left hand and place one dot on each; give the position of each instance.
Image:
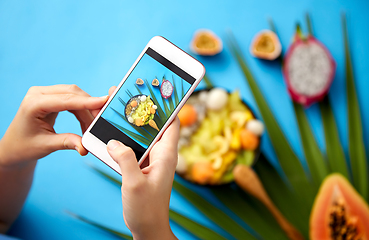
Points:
(31, 134)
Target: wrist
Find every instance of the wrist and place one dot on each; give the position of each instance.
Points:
(9, 159)
(154, 234)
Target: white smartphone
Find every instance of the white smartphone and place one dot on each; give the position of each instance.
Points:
(145, 102)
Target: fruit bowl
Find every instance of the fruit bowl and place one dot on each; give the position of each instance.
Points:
(218, 131)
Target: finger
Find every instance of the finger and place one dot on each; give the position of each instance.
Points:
(111, 90)
(84, 117)
(96, 111)
(59, 89)
(171, 134)
(46, 104)
(168, 145)
(126, 159)
(66, 141)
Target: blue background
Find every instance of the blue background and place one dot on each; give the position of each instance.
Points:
(93, 44)
(148, 69)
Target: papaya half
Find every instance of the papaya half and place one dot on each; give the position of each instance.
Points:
(339, 212)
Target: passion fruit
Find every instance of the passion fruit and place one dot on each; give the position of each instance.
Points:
(266, 45)
(206, 43)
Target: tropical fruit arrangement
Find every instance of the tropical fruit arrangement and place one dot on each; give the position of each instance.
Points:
(220, 143)
(218, 131)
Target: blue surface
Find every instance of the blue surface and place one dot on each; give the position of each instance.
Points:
(93, 44)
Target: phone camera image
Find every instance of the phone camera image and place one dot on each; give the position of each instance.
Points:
(143, 103)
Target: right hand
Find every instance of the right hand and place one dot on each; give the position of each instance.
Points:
(146, 192)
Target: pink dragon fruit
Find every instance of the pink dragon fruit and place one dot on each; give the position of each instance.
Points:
(166, 89)
(308, 69)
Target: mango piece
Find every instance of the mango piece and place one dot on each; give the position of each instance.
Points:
(236, 140)
(228, 159)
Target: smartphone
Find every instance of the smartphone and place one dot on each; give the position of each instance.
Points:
(145, 102)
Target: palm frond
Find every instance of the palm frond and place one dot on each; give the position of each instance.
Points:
(100, 226)
(159, 110)
(129, 93)
(355, 129)
(198, 230)
(288, 160)
(123, 102)
(283, 196)
(335, 155)
(176, 99)
(213, 213)
(251, 211)
(183, 92)
(208, 82)
(314, 156)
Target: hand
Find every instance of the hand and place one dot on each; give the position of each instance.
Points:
(31, 135)
(146, 192)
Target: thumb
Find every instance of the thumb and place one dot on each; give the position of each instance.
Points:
(67, 141)
(126, 159)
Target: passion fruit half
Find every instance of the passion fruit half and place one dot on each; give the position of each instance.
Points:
(206, 42)
(266, 45)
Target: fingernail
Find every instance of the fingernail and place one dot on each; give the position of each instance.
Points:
(104, 97)
(76, 148)
(113, 144)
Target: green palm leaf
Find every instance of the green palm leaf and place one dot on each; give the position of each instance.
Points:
(129, 93)
(314, 156)
(171, 104)
(207, 82)
(335, 154)
(355, 129)
(288, 160)
(213, 213)
(176, 98)
(102, 227)
(159, 110)
(122, 102)
(193, 227)
(251, 211)
(183, 93)
(283, 196)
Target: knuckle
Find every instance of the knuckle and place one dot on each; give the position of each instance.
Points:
(74, 88)
(29, 103)
(32, 90)
(124, 152)
(136, 186)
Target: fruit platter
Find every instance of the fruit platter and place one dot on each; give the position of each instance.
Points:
(218, 131)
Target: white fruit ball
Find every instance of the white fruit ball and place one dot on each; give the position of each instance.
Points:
(154, 107)
(217, 99)
(255, 126)
(143, 98)
(130, 119)
(181, 165)
(203, 96)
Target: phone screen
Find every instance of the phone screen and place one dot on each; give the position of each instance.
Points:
(144, 103)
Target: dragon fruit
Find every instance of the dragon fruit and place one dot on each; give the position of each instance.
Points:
(308, 69)
(166, 89)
